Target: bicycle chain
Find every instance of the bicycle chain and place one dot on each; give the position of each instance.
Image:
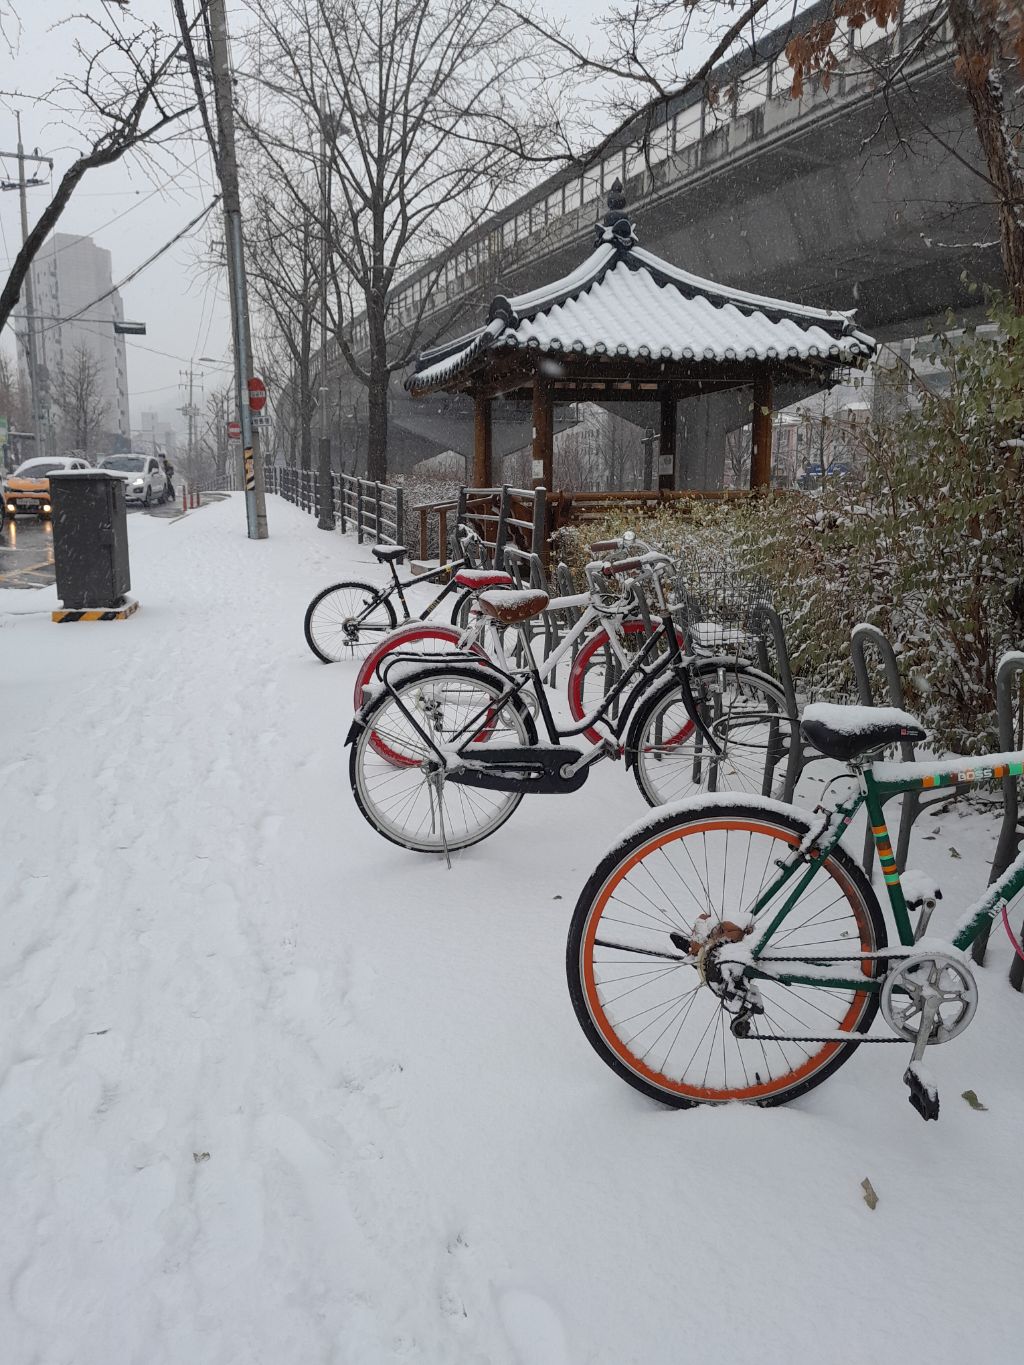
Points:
(800, 1038)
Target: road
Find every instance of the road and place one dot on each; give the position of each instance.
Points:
(26, 548)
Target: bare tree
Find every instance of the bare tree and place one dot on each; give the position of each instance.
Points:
(78, 394)
(282, 251)
(429, 114)
(213, 436)
(125, 96)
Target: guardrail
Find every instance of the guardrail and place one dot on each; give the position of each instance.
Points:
(375, 511)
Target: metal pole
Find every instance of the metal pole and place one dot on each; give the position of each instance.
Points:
(255, 493)
(30, 304)
(326, 520)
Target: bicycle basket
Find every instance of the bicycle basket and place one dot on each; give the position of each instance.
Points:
(718, 603)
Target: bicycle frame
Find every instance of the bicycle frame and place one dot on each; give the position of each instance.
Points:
(876, 785)
(637, 668)
(398, 586)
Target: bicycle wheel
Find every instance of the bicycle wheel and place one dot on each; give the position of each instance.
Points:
(417, 637)
(744, 710)
(345, 620)
(661, 1024)
(596, 669)
(408, 802)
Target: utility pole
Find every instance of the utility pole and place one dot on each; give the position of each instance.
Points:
(227, 168)
(21, 185)
(190, 411)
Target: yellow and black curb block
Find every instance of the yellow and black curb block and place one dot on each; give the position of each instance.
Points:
(127, 608)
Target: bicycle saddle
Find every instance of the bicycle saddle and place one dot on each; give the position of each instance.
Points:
(483, 578)
(388, 554)
(845, 732)
(510, 608)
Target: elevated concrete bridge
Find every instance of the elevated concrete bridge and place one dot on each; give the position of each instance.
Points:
(846, 198)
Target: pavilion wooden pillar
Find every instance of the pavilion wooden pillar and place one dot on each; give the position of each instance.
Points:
(483, 445)
(667, 443)
(543, 432)
(761, 443)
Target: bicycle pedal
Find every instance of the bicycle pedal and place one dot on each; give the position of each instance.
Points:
(924, 1095)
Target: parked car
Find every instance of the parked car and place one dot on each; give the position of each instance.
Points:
(144, 480)
(28, 488)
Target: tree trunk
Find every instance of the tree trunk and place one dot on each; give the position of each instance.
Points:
(377, 424)
(978, 67)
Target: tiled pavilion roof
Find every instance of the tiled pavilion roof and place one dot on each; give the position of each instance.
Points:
(625, 301)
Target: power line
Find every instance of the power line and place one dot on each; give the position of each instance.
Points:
(133, 274)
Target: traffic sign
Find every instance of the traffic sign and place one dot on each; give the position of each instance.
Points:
(257, 394)
(234, 431)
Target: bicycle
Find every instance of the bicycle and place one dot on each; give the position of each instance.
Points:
(605, 634)
(468, 725)
(731, 949)
(347, 618)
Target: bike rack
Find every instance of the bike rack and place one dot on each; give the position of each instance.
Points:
(1008, 674)
(912, 805)
(767, 623)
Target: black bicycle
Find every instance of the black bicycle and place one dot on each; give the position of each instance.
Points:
(446, 750)
(347, 619)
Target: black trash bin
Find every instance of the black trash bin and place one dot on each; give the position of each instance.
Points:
(90, 538)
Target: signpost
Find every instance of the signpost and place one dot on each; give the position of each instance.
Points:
(257, 394)
(234, 431)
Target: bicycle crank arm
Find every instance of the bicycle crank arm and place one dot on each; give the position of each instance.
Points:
(533, 768)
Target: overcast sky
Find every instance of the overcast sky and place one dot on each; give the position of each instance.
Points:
(132, 209)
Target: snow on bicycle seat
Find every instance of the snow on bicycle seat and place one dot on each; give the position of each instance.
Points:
(844, 732)
(483, 578)
(510, 608)
(388, 554)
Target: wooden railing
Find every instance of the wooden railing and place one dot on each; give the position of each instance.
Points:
(500, 516)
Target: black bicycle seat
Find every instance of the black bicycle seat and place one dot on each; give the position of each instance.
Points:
(388, 554)
(845, 732)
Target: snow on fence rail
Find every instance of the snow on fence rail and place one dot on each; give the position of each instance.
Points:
(375, 511)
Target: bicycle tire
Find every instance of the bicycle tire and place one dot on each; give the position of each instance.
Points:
(589, 661)
(651, 899)
(407, 636)
(372, 775)
(460, 611)
(744, 709)
(326, 615)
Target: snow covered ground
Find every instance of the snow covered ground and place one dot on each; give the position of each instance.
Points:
(275, 1092)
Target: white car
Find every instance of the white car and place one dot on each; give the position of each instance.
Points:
(144, 480)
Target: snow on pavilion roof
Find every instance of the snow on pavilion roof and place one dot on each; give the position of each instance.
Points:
(624, 301)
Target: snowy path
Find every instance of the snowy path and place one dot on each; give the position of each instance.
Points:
(274, 1092)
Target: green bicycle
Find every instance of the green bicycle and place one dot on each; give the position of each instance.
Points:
(729, 948)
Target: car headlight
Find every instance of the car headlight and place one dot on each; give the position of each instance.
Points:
(137, 484)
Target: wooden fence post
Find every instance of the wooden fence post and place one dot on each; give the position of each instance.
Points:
(399, 516)
(501, 534)
(376, 512)
(359, 511)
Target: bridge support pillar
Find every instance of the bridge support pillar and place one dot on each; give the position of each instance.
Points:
(482, 443)
(705, 422)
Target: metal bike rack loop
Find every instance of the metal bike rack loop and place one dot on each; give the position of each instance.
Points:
(1008, 674)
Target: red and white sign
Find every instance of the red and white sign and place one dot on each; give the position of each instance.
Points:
(234, 431)
(257, 394)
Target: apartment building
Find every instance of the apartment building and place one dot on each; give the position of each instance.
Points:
(68, 276)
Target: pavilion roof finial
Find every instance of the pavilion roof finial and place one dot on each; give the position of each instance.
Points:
(616, 227)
